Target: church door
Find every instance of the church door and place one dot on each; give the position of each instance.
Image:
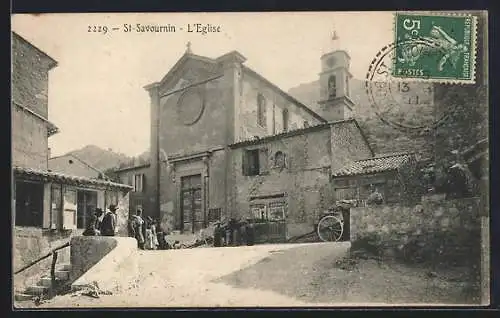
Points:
(192, 215)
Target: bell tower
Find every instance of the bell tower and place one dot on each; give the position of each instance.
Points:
(335, 103)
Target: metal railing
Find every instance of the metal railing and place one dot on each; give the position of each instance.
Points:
(54, 255)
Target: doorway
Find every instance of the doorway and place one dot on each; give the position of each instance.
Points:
(29, 203)
(192, 217)
(86, 205)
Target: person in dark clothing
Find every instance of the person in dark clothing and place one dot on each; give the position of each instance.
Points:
(108, 224)
(160, 234)
(136, 226)
(94, 224)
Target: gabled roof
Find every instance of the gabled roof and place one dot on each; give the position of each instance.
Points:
(184, 58)
(381, 163)
(82, 161)
(238, 56)
(53, 62)
(46, 176)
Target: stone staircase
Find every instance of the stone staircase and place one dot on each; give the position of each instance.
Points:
(42, 287)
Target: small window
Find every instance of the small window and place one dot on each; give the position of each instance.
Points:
(251, 165)
(306, 124)
(279, 160)
(259, 212)
(261, 110)
(285, 119)
(332, 87)
(139, 182)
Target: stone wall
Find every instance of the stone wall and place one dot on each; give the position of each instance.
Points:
(30, 76)
(86, 251)
(30, 243)
(439, 228)
(186, 126)
(29, 140)
(303, 182)
(348, 144)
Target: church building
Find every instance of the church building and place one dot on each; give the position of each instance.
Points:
(227, 142)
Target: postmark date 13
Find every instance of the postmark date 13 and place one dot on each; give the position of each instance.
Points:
(97, 29)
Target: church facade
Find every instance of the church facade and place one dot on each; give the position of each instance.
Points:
(225, 141)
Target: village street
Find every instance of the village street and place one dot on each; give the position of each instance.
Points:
(269, 275)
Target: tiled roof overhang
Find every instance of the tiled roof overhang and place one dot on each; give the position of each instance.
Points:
(376, 164)
(49, 176)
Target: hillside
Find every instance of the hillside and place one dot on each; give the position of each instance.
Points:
(100, 158)
(382, 137)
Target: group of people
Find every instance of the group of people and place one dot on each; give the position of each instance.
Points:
(147, 232)
(102, 223)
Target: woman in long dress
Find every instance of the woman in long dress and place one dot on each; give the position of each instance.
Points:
(151, 239)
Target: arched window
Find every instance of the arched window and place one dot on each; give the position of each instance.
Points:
(332, 87)
(261, 110)
(285, 119)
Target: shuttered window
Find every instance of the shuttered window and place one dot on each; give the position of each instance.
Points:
(255, 162)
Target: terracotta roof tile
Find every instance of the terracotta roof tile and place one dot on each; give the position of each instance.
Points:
(66, 179)
(373, 165)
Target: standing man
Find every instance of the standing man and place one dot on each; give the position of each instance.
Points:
(108, 224)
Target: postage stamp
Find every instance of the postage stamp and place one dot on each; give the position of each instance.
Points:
(438, 47)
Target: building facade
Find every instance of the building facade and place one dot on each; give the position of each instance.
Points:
(226, 142)
(47, 207)
(72, 165)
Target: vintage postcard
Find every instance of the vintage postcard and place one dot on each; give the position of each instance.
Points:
(293, 159)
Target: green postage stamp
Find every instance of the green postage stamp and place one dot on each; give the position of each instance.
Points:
(435, 47)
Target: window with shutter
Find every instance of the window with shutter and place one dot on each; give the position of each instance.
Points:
(69, 209)
(56, 205)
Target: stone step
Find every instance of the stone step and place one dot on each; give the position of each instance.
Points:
(22, 297)
(62, 274)
(47, 281)
(36, 290)
(64, 267)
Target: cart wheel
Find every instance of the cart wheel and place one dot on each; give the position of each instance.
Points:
(330, 228)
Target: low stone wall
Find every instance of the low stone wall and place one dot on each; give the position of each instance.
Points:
(29, 243)
(448, 228)
(86, 251)
(109, 261)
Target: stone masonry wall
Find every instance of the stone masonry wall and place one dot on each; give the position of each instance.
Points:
(29, 243)
(438, 228)
(304, 181)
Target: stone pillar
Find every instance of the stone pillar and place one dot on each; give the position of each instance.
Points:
(231, 64)
(154, 94)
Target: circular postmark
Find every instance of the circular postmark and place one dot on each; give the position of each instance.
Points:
(404, 103)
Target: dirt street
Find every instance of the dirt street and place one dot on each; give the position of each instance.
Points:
(191, 277)
(271, 275)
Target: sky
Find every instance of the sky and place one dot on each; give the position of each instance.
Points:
(97, 95)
